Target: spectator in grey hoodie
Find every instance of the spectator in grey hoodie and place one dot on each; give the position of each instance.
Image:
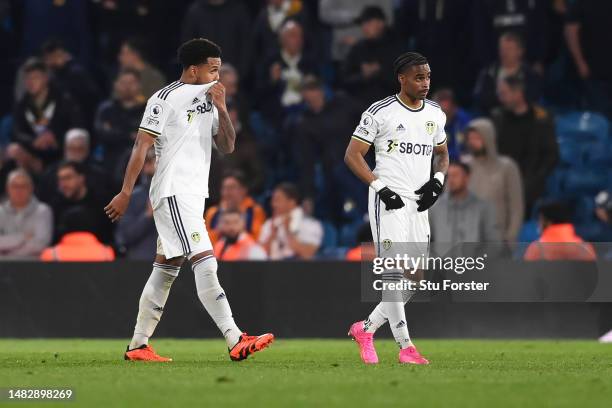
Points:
(495, 178)
(460, 216)
(26, 224)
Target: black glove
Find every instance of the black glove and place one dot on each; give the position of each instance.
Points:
(391, 199)
(430, 192)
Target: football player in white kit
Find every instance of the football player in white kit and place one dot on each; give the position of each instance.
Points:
(181, 121)
(406, 129)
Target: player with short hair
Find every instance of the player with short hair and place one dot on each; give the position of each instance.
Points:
(181, 121)
(406, 129)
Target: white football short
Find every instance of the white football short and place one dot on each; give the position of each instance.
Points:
(179, 221)
(402, 231)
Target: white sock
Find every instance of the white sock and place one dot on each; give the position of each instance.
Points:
(391, 309)
(152, 302)
(213, 298)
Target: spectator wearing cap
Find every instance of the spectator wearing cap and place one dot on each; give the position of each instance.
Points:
(235, 194)
(558, 240)
(290, 234)
(459, 216)
(118, 118)
(367, 71)
(133, 55)
(41, 117)
(319, 140)
(235, 244)
(77, 148)
(77, 243)
(510, 62)
(26, 224)
(457, 119)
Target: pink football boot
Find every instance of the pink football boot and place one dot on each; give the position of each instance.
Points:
(365, 341)
(411, 355)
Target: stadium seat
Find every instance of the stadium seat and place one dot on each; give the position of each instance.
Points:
(597, 155)
(583, 125)
(584, 181)
(554, 183)
(6, 128)
(330, 236)
(529, 232)
(584, 209)
(569, 152)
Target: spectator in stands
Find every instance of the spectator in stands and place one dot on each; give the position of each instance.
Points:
(510, 63)
(68, 74)
(457, 119)
(229, 77)
(526, 134)
(491, 19)
(77, 148)
(74, 193)
(367, 72)
(269, 22)
(41, 117)
(603, 212)
(290, 234)
(26, 224)
(586, 32)
(495, 178)
(280, 78)
(459, 216)
(245, 159)
(558, 240)
(341, 16)
(118, 118)
(136, 235)
(235, 244)
(321, 140)
(226, 22)
(77, 242)
(133, 55)
(235, 194)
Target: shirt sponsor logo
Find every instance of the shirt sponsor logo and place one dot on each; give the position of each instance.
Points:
(409, 148)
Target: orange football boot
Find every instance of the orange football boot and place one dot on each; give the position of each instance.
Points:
(248, 345)
(144, 353)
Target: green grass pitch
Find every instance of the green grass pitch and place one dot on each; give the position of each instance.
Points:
(315, 373)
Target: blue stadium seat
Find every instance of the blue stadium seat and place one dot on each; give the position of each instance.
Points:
(597, 155)
(529, 232)
(592, 231)
(583, 125)
(338, 253)
(569, 152)
(330, 236)
(554, 183)
(584, 209)
(584, 181)
(6, 129)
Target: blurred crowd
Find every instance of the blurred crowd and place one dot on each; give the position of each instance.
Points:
(298, 73)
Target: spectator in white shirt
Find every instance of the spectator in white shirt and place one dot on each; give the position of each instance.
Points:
(290, 234)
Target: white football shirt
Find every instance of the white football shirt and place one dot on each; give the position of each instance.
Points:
(183, 121)
(404, 139)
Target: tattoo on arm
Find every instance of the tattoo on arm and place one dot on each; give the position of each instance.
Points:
(441, 159)
(226, 135)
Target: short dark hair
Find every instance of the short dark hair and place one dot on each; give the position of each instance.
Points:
(407, 60)
(557, 212)
(51, 45)
(76, 166)
(197, 51)
(236, 174)
(77, 219)
(290, 190)
(129, 71)
(461, 164)
(34, 64)
(515, 37)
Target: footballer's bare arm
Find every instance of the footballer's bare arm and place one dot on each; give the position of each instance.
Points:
(441, 159)
(226, 135)
(355, 160)
(118, 205)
